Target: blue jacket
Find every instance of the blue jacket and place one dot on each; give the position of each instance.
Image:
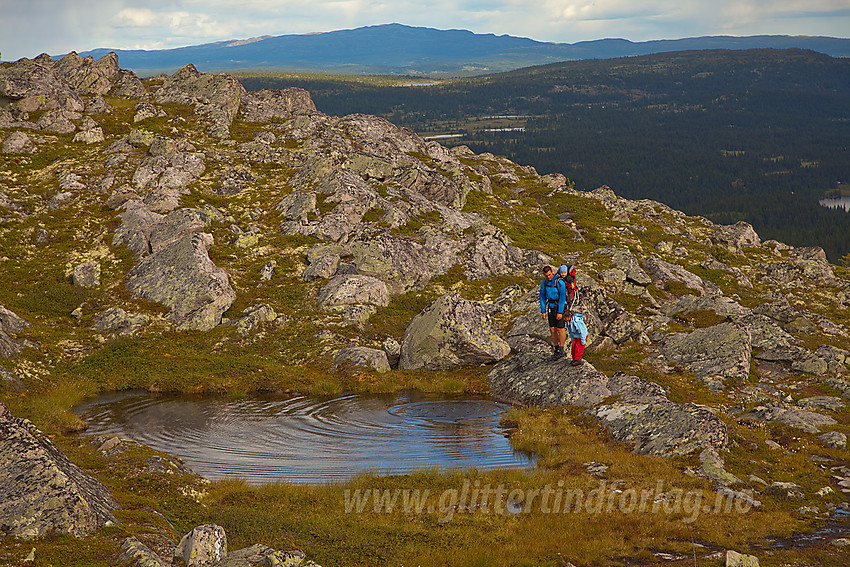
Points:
(578, 330)
(553, 292)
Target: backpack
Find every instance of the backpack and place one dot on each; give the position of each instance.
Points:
(571, 283)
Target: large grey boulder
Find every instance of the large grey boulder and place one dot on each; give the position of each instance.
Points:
(665, 273)
(297, 205)
(360, 358)
(641, 415)
(451, 332)
(492, 253)
(11, 325)
(721, 350)
(86, 274)
(41, 491)
(353, 290)
(18, 143)
(182, 277)
(717, 302)
(735, 237)
(627, 263)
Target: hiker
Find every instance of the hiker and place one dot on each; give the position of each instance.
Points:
(553, 296)
(568, 274)
(578, 337)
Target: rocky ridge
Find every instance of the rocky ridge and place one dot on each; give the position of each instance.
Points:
(193, 205)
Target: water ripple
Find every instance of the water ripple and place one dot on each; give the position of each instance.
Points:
(307, 440)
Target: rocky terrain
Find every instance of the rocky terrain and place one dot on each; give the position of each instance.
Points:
(245, 223)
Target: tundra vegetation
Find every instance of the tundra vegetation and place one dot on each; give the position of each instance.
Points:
(180, 234)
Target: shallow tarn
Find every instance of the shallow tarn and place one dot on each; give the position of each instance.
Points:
(307, 439)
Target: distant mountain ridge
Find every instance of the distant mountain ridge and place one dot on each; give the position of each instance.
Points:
(401, 49)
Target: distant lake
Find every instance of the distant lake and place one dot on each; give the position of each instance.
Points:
(833, 203)
(309, 440)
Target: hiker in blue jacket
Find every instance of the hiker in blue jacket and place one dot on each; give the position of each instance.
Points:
(553, 296)
(578, 337)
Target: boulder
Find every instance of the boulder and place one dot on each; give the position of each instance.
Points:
(321, 268)
(137, 224)
(721, 350)
(182, 277)
(87, 76)
(735, 237)
(253, 316)
(297, 205)
(833, 439)
(353, 289)
(18, 143)
(41, 491)
(808, 264)
(808, 421)
(203, 546)
(86, 274)
(451, 332)
(717, 302)
(665, 273)
(735, 559)
(357, 359)
(135, 553)
(11, 325)
(627, 263)
(118, 321)
(493, 254)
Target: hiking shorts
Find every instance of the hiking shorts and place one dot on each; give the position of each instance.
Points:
(554, 321)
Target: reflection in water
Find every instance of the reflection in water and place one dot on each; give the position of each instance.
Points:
(305, 439)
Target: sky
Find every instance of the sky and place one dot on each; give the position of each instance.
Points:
(31, 27)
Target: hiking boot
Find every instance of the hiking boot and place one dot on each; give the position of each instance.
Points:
(557, 353)
(575, 362)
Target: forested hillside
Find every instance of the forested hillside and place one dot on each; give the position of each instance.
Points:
(757, 135)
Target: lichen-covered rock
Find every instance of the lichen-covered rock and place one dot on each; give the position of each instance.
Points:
(118, 321)
(41, 491)
(664, 273)
(297, 205)
(717, 302)
(11, 325)
(808, 263)
(137, 554)
(321, 268)
(216, 96)
(721, 350)
(137, 224)
(202, 547)
(29, 86)
(182, 277)
(18, 143)
(736, 236)
(86, 274)
(627, 263)
(833, 439)
(353, 289)
(253, 316)
(451, 332)
(360, 358)
(808, 421)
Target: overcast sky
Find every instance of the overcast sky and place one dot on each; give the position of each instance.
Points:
(31, 27)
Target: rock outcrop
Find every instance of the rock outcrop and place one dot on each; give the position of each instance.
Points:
(10, 326)
(41, 491)
(451, 332)
(641, 415)
(182, 277)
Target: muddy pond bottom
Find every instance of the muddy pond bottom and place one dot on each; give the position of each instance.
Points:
(310, 440)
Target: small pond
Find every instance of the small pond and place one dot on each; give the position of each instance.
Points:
(310, 440)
